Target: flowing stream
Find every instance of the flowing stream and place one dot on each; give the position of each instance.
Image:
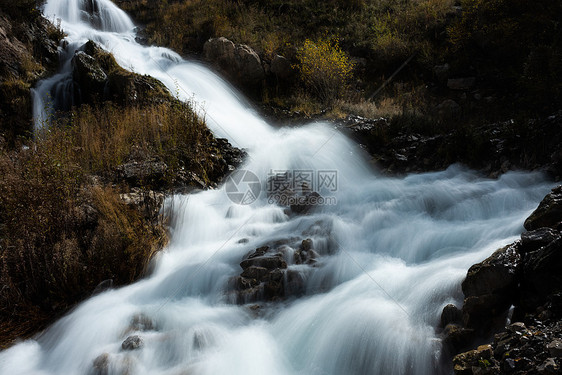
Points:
(392, 251)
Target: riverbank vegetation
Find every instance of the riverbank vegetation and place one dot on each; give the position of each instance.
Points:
(509, 49)
(64, 225)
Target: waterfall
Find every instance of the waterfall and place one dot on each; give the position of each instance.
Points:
(392, 252)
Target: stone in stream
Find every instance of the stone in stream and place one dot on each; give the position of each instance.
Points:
(489, 287)
(132, 343)
(548, 213)
(450, 314)
(266, 275)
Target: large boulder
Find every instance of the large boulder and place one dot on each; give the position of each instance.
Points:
(541, 274)
(495, 275)
(267, 273)
(239, 61)
(490, 286)
(96, 77)
(219, 51)
(89, 76)
(549, 212)
(249, 65)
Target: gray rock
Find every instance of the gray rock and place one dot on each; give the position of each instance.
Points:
(132, 343)
(219, 50)
(238, 61)
(250, 70)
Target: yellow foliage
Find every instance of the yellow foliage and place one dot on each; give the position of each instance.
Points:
(324, 68)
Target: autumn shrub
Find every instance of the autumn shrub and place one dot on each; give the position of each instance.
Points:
(324, 68)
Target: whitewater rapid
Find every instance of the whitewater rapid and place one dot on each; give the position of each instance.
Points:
(393, 251)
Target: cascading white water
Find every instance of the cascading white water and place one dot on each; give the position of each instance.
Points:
(393, 251)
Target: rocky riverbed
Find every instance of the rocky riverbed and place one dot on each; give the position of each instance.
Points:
(513, 300)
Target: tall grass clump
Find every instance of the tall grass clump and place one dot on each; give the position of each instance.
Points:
(64, 227)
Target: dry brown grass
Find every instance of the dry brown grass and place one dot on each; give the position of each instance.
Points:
(62, 233)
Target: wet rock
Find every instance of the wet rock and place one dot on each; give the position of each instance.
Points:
(480, 312)
(127, 88)
(299, 198)
(450, 314)
(267, 274)
(233, 156)
(268, 262)
(532, 344)
(141, 322)
(255, 272)
(305, 203)
(493, 275)
(306, 245)
(489, 287)
(549, 212)
(461, 83)
(456, 338)
(534, 240)
(101, 364)
(132, 343)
